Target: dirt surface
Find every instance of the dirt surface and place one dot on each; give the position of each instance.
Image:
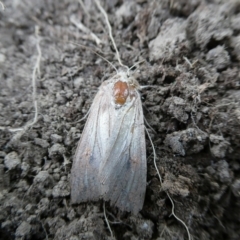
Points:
(191, 53)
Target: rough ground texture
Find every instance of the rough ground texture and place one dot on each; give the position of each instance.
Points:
(191, 53)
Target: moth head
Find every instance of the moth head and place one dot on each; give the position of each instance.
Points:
(124, 88)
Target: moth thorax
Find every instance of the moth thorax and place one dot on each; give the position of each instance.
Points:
(120, 92)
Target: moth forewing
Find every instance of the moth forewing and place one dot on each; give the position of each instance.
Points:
(114, 167)
(125, 184)
(88, 157)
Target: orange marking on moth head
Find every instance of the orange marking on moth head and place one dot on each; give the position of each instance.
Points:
(120, 92)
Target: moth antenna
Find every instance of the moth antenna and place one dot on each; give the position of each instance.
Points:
(134, 65)
(89, 49)
(128, 71)
(85, 116)
(147, 86)
(110, 33)
(2, 5)
(105, 216)
(160, 178)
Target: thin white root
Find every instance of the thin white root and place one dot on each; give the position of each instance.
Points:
(154, 156)
(180, 220)
(36, 70)
(86, 30)
(84, 9)
(11, 129)
(44, 230)
(65, 162)
(110, 33)
(170, 233)
(146, 122)
(160, 178)
(189, 63)
(107, 222)
(2, 5)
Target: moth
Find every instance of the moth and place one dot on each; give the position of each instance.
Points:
(110, 160)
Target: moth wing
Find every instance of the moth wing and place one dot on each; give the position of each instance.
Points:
(123, 172)
(85, 183)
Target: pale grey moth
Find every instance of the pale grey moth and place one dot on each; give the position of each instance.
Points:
(110, 160)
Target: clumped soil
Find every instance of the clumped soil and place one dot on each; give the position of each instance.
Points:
(191, 53)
